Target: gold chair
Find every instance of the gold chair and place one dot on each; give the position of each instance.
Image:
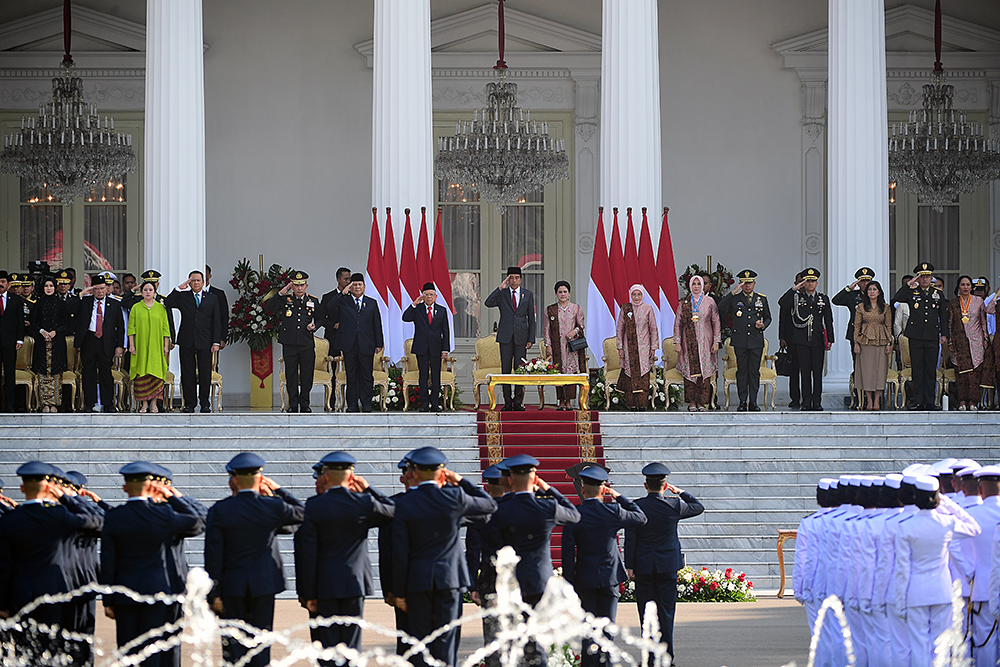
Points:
(71, 377)
(322, 373)
(891, 390)
(612, 368)
(216, 382)
(485, 362)
(944, 375)
(380, 379)
(123, 385)
(23, 375)
(411, 375)
(905, 374)
(672, 376)
(768, 375)
(543, 353)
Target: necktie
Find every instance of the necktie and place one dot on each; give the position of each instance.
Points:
(3, 300)
(359, 305)
(197, 299)
(430, 315)
(99, 328)
(513, 298)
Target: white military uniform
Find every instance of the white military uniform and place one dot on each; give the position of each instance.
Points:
(983, 637)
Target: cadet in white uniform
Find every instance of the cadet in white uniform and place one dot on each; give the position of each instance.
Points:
(807, 545)
(987, 514)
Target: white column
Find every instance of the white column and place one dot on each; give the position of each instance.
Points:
(630, 110)
(402, 121)
(994, 186)
(858, 167)
(587, 175)
(175, 140)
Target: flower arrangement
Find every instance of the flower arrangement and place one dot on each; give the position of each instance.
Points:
(713, 586)
(537, 367)
(249, 322)
(722, 279)
(394, 395)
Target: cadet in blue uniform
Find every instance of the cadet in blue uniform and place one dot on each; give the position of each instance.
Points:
(332, 570)
(385, 558)
(590, 557)
(241, 550)
(480, 549)
(927, 331)
(525, 522)
(811, 334)
(750, 315)
(298, 313)
(429, 571)
(653, 550)
(6, 504)
(87, 562)
(136, 546)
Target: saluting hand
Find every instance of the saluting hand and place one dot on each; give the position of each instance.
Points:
(184, 285)
(503, 285)
(673, 489)
(359, 484)
(452, 477)
(541, 483)
(798, 286)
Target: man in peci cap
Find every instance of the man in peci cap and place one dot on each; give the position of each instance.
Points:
(927, 331)
(100, 338)
(429, 571)
(811, 334)
(590, 557)
(516, 330)
(137, 551)
(431, 343)
(358, 324)
(750, 315)
(12, 333)
(653, 550)
(299, 319)
(330, 332)
(199, 337)
(241, 550)
(332, 571)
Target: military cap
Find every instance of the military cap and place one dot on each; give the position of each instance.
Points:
(298, 277)
(657, 469)
(944, 466)
(965, 472)
(825, 483)
(428, 458)
(143, 469)
(513, 270)
(108, 274)
(151, 276)
(403, 463)
(63, 278)
(317, 468)
(810, 274)
(595, 475)
(14, 279)
(245, 463)
(428, 286)
(991, 472)
(747, 276)
(491, 474)
(910, 479)
(865, 273)
(963, 463)
(855, 480)
(163, 473)
(834, 484)
(504, 468)
(522, 463)
(878, 480)
(979, 282)
(338, 461)
(357, 277)
(924, 269)
(845, 480)
(76, 478)
(866, 480)
(892, 480)
(35, 470)
(927, 483)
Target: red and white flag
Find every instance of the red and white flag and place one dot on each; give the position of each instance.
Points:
(631, 255)
(375, 273)
(393, 323)
(442, 277)
(408, 274)
(601, 306)
(666, 275)
(616, 257)
(647, 270)
(425, 273)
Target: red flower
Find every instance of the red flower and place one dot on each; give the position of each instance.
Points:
(704, 569)
(742, 577)
(714, 586)
(697, 588)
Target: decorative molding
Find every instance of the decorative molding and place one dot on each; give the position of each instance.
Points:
(996, 241)
(813, 243)
(473, 96)
(91, 73)
(586, 128)
(126, 95)
(126, 35)
(515, 74)
(585, 243)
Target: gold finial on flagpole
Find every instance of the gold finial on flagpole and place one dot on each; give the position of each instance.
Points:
(262, 265)
(710, 264)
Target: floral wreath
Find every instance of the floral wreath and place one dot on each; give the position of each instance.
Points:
(722, 279)
(249, 322)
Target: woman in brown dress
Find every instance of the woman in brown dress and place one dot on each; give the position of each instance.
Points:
(967, 340)
(637, 340)
(49, 325)
(696, 338)
(564, 322)
(872, 344)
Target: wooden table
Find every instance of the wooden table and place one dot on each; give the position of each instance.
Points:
(783, 536)
(539, 380)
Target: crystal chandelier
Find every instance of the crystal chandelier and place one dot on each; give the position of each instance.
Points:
(501, 153)
(938, 153)
(67, 148)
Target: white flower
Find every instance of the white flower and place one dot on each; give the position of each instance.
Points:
(614, 399)
(663, 396)
(392, 392)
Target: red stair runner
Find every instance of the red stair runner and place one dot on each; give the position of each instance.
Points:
(559, 440)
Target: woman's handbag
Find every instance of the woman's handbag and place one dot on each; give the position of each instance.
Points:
(783, 363)
(577, 344)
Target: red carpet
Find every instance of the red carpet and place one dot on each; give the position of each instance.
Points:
(559, 440)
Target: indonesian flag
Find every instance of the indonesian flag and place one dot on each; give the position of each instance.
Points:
(647, 272)
(631, 255)
(408, 274)
(616, 257)
(601, 307)
(425, 273)
(375, 273)
(442, 277)
(393, 324)
(666, 275)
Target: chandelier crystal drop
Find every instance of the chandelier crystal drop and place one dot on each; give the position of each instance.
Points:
(501, 153)
(67, 148)
(937, 153)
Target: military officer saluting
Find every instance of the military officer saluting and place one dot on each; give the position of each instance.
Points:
(927, 330)
(750, 315)
(851, 296)
(811, 334)
(298, 322)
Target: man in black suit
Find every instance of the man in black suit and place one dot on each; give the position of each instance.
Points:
(431, 340)
(11, 338)
(200, 335)
(358, 324)
(330, 332)
(136, 544)
(590, 557)
(332, 571)
(241, 552)
(100, 338)
(429, 570)
(298, 314)
(653, 550)
(223, 305)
(516, 331)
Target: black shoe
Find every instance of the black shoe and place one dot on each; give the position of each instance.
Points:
(86, 408)
(817, 407)
(933, 407)
(914, 407)
(292, 408)
(205, 409)
(187, 409)
(519, 408)
(367, 408)
(794, 405)
(305, 408)
(754, 407)
(352, 410)
(742, 408)
(436, 408)
(425, 408)
(805, 408)
(110, 409)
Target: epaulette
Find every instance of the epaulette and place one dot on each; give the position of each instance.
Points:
(760, 294)
(116, 298)
(31, 299)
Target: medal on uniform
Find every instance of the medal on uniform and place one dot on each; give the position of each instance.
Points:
(916, 305)
(288, 313)
(739, 313)
(965, 307)
(965, 319)
(694, 317)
